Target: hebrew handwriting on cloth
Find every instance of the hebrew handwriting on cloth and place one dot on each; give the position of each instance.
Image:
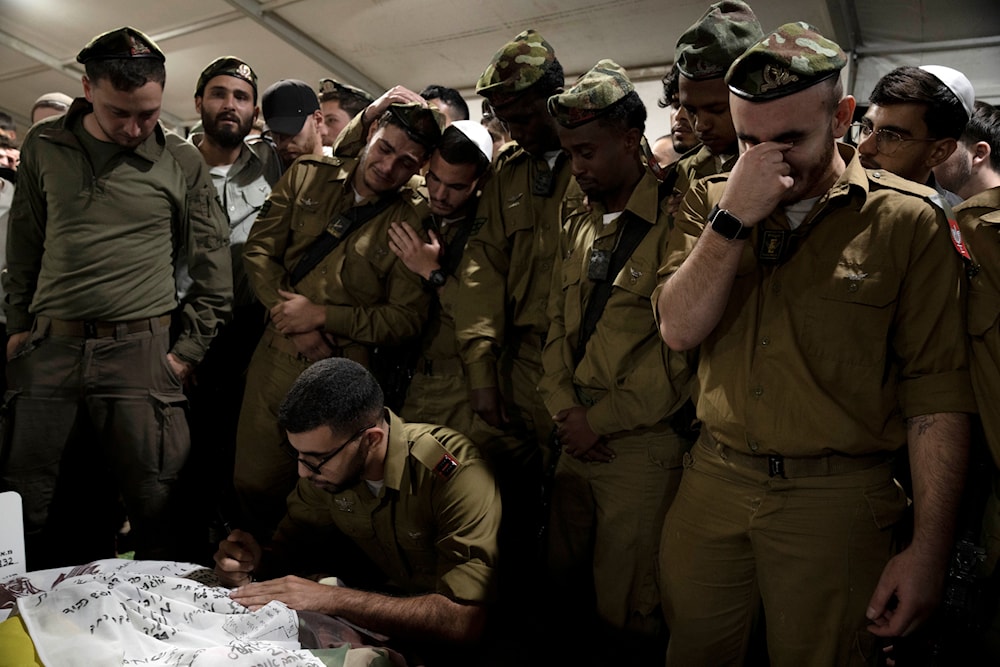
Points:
(150, 613)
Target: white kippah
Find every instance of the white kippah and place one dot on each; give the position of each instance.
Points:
(957, 82)
(477, 134)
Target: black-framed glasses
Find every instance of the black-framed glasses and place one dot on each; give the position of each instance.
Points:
(286, 446)
(887, 142)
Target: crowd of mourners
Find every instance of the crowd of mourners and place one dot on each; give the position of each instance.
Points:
(531, 389)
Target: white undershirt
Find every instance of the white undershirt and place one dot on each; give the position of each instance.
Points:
(798, 211)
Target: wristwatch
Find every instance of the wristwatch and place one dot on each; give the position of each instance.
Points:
(727, 225)
(436, 279)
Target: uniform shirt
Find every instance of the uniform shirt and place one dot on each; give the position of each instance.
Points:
(861, 328)
(635, 378)
(439, 341)
(242, 189)
(506, 271)
(699, 162)
(370, 296)
(6, 197)
(979, 217)
(99, 245)
(430, 529)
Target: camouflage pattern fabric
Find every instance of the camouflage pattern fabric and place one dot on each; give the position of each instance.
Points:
(592, 95)
(722, 34)
(515, 68)
(792, 58)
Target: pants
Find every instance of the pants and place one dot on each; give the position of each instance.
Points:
(87, 420)
(441, 399)
(604, 530)
(811, 549)
(264, 475)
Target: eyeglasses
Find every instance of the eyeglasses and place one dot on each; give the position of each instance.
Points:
(286, 446)
(887, 142)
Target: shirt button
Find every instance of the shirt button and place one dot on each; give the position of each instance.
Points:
(753, 445)
(776, 288)
(758, 392)
(852, 287)
(765, 341)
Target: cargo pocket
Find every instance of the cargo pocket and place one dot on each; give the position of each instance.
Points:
(887, 503)
(172, 433)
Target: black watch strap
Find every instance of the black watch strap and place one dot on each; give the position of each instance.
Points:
(727, 225)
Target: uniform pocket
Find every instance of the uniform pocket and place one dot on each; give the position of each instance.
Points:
(172, 433)
(850, 321)
(887, 503)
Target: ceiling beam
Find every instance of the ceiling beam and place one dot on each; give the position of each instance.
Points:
(302, 42)
(929, 47)
(72, 70)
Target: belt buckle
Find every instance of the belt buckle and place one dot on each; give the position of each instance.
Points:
(776, 466)
(90, 329)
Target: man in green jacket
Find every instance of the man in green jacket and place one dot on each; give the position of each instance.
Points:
(107, 200)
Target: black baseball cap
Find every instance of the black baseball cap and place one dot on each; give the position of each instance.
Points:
(286, 104)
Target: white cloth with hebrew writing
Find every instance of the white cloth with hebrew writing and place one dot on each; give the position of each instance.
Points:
(138, 618)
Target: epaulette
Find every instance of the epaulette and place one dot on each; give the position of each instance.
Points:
(880, 177)
(509, 152)
(887, 179)
(186, 155)
(433, 455)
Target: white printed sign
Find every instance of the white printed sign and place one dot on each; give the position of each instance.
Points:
(12, 560)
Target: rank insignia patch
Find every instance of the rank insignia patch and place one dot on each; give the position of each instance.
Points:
(446, 467)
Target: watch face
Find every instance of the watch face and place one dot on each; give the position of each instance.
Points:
(437, 278)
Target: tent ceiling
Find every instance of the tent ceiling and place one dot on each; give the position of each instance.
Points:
(379, 43)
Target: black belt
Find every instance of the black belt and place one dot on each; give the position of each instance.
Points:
(775, 465)
(451, 366)
(102, 329)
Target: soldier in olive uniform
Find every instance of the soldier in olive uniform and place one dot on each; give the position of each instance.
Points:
(416, 502)
(703, 55)
(319, 261)
(973, 173)
(609, 381)
(504, 281)
(106, 202)
(831, 333)
(438, 392)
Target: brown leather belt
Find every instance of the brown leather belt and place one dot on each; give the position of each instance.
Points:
(774, 465)
(100, 329)
(450, 366)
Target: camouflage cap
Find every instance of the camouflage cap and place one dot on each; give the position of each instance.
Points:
(331, 89)
(720, 36)
(126, 42)
(792, 58)
(592, 95)
(516, 67)
(421, 123)
(230, 66)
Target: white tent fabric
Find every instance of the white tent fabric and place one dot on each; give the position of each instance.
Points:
(378, 43)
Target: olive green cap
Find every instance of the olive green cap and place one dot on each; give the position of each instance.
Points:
(230, 66)
(516, 67)
(592, 95)
(720, 36)
(126, 42)
(792, 58)
(413, 117)
(331, 89)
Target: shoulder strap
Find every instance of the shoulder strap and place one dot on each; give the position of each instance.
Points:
(631, 236)
(336, 232)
